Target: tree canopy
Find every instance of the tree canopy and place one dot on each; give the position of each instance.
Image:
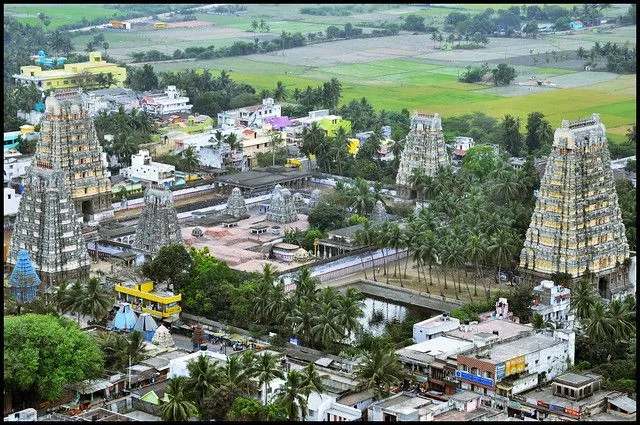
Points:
(43, 353)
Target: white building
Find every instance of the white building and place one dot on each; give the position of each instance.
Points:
(15, 165)
(553, 303)
(250, 116)
(143, 168)
(418, 357)
(110, 100)
(464, 143)
(211, 152)
(11, 201)
(178, 366)
(434, 327)
(169, 103)
(404, 407)
(517, 163)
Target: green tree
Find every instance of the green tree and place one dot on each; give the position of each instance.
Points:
(510, 134)
(503, 74)
(380, 369)
(597, 325)
(96, 299)
(248, 409)
(280, 92)
(204, 377)
(266, 370)
(170, 266)
(216, 406)
(326, 216)
(42, 354)
(190, 159)
(539, 131)
(293, 395)
(583, 297)
(179, 408)
(362, 197)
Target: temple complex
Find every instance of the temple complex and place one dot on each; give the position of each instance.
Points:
(282, 208)
(68, 140)
(576, 225)
(47, 228)
(425, 148)
(158, 222)
(379, 213)
(235, 204)
(24, 280)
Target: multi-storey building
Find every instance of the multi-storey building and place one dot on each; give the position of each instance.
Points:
(73, 75)
(425, 148)
(251, 116)
(68, 140)
(143, 168)
(168, 103)
(553, 303)
(576, 226)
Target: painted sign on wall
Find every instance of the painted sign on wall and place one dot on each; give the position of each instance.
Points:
(474, 378)
(515, 365)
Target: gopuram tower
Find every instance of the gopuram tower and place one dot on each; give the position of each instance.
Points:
(68, 140)
(425, 147)
(47, 228)
(158, 222)
(576, 224)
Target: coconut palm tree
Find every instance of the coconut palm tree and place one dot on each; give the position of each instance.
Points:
(300, 318)
(361, 196)
(349, 310)
(294, 395)
(367, 237)
(396, 242)
(265, 370)
(179, 408)
(204, 376)
(238, 371)
(583, 297)
(312, 379)
(73, 299)
(326, 328)
(475, 251)
(620, 320)
(280, 92)
(380, 369)
(306, 285)
(134, 347)
(96, 299)
(312, 138)
(502, 249)
(190, 159)
(597, 325)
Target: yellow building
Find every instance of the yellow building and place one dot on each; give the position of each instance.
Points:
(354, 146)
(159, 25)
(72, 74)
(144, 299)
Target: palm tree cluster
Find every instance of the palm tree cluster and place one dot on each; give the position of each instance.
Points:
(242, 374)
(90, 298)
(318, 318)
(121, 350)
(465, 221)
(129, 129)
(325, 96)
(598, 322)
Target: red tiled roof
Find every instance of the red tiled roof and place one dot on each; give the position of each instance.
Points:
(248, 132)
(460, 152)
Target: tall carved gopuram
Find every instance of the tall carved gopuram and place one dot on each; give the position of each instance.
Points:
(576, 226)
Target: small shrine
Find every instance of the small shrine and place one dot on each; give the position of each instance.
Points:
(146, 326)
(282, 208)
(236, 206)
(24, 280)
(379, 213)
(162, 337)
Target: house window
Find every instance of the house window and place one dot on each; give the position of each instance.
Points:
(465, 368)
(488, 375)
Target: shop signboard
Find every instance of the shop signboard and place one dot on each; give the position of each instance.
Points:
(500, 371)
(573, 412)
(513, 405)
(474, 378)
(515, 365)
(556, 408)
(527, 409)
(543, 404)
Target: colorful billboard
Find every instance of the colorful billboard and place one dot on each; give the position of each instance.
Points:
(515, 365)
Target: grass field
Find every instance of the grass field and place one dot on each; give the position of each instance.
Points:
(60, 14)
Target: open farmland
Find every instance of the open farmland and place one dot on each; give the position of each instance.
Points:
(60, 14)
(406, 71)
